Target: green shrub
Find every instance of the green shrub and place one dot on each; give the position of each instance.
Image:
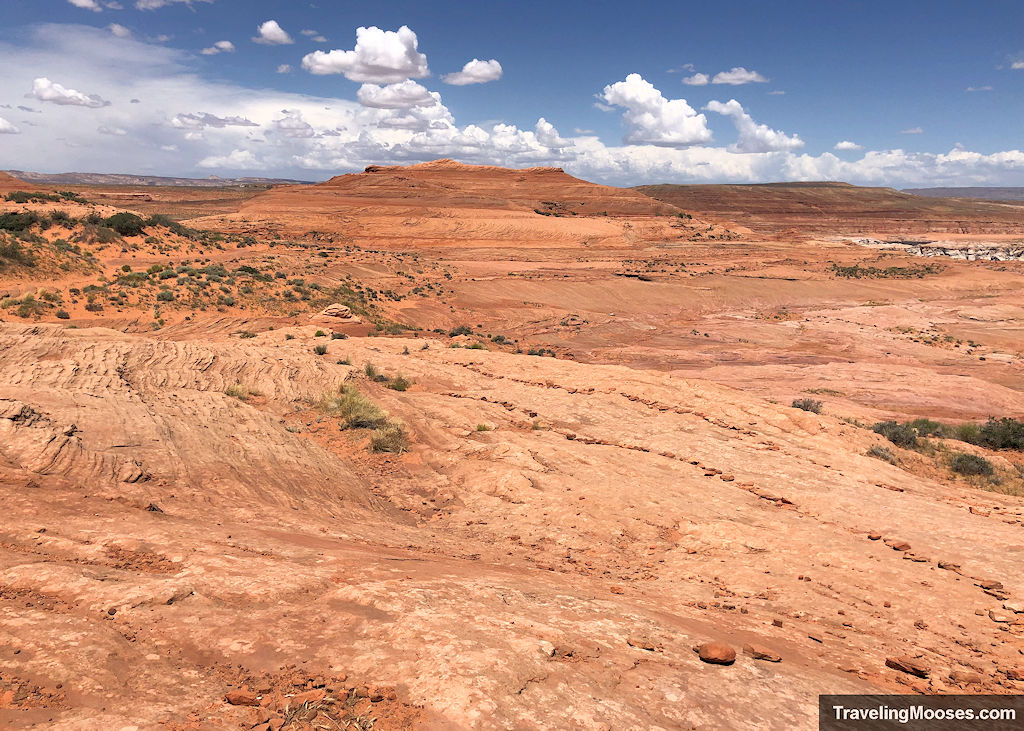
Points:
(320, 349)
(354, 409)
(399, 383)
(126, 224)
(807, 404)
(319, 334)
(389, 438)
(1002, 433)
(970, 464)
(884, 453)
(338, 336)
(13, 252)
(483, 427)
(370, 371)
(63, 315)
(165, 295)
(902, 435)
(18, 221)
(460, 330)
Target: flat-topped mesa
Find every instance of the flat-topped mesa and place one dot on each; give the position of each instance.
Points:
(446, 163)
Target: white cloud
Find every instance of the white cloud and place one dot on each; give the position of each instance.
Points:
(119, 30)
(379, 57)
(284, 68)
(548, 136)
(112, 131)
(86, 5)
(395, 96)
(272, 34)
(474, 72)
(912, 131)
(293, 125)
(155, 4)
(6, 128)
(754, 137)
(219, 47)
(697, 79)
(235, 160)
(47, 91)
(738, 75)
(1017, 65)
(314, 36)
(979, 88)
(652, 119)
(847, 145)
(776, 92)
(205, 119)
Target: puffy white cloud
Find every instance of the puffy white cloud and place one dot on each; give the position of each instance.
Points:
(6, 128)
(737, 76)
(272, 34)
(847, 145)
(48, 91)
(87, 5)
(219, 47)
(205, 119)
(754, 137)
(474, 72)
(379, 57)
(651, 119)
(235, 160)
(912, 131)
(284, 68)
(395, 96)
(548, 136)
(293, 125)
(119, 30)
(697, 79)
(1017, 65)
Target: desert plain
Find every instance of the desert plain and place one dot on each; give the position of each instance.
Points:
(452, 446)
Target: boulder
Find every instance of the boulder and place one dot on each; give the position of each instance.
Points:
(716, 653)
(909, 665)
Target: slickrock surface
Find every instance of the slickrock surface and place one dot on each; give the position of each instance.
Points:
(165, 545)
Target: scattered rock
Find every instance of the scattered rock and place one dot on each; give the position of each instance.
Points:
(1015, 607)
(896, 544)
(874, 536)
(241, 698)
(965, 677)
(716, 653)
(908, 665)
(760, 652)
(949, 566)
(1015, 673)
(154, 508)
(617, 590)
(642, 642)
(999, 617)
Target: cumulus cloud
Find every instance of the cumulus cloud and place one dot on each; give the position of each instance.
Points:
(6, 128)
(754, 137)
(284, 68)
(379, 57)
(293, 125)
(651, 119)
(272, 34)
(205, 119)
(738, 75)
(1017, 65)
(219, 47)
(47, 91)
(119, 30)
(235, 160)
(474, 72)
(847, 145)
(395, 96)
(697, 79)
(548, 136)
(912, 131)
(87, 5)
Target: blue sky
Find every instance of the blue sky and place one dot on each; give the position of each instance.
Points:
(919, 94)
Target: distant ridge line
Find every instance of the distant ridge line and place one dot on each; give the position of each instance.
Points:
(146, 180)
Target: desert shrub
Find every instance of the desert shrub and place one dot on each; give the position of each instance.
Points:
(338, 336)
(165, 295)
(807, 404)
(460, 330)
(389, 438)
(18, 221)
(94, 307)
(370, 371)
(60, 218)
(476, 346)
(246, 334)
(1002, 433)
(884, 453)
(320, 349)
(354, 409)
(12, 251)
(970, 464)
(126, 224)
(902, 435)
(399, 383)
(483, 427)
(928, 428)
(240, 392)
(319, 334)
(63, 315)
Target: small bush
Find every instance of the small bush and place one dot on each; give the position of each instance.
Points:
(354, 409)
(1002, 433)
(460, 330)
(902, 435)
(63, 315)
(970, 464)
(320, 349)
(126, 224)
(18, 221)
(165, 295)
(389, 438)
(240, 392)
(807, 404)
(483, 427)
(338, 336)
(319, 334)
(370, 371)
(883, 453)
(399, 383)
(12, 252)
